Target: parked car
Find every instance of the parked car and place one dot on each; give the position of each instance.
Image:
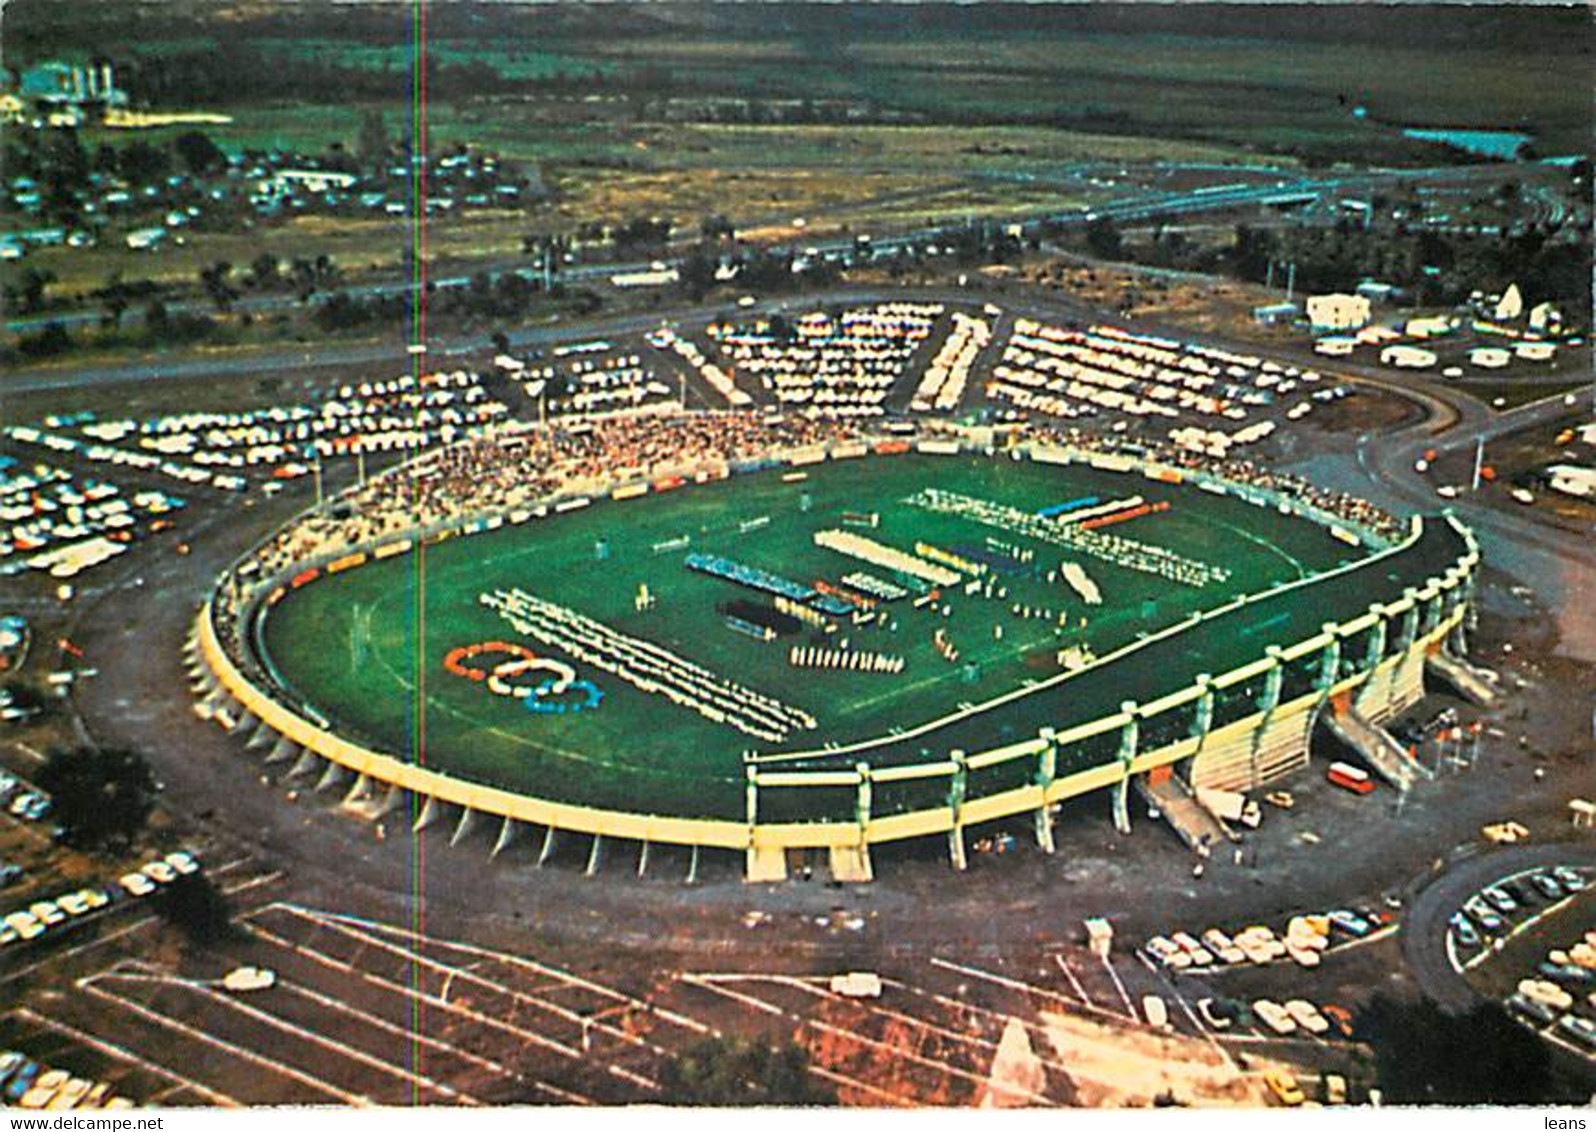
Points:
(1340, 1017)
(1350, 922)
(9, 875)
(137, 884)
(1335, 1089)
(1306, 1015)
(1284, 1088)
(10, 1061)
(1275, 1016)
(1539, 990)
(1223, 946)
(1167, 953)
(1155, 1012)
(1570, 975)
(1530, 1010)
(160, 872)
(1582, 1030)
(1484, 915)
(25, 924)
(1546, 886)
(1499, 899)
(47, 912)
(1568, 878)
(1464, 930)
(184, 862)
(70, 1095)
(1200, 955)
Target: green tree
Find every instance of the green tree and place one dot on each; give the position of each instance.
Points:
(1102, 238)
(373, 142)
(735, 1072)
(196, 907)
(199, 154)
(100, 797)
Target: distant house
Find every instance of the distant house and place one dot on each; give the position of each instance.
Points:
(1545, 318)
(1572, 479)
(1489, 357)
(65, 84)
(146, 239)
(288, 181)
(1377, 292)
(1338, 311)
(1432, 326)
(1510, 305)
(1272, 313)
(1406, 357)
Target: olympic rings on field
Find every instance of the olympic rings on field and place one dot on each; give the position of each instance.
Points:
(562, 693)
(454, 660)
(499, 680)
(545, 698)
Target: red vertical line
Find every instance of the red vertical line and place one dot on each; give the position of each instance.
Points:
(418, 174)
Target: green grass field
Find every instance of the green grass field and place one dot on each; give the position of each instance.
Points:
(356, 646)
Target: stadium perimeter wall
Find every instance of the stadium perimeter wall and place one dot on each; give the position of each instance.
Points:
(1380, 678)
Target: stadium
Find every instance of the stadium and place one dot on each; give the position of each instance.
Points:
(803, 637)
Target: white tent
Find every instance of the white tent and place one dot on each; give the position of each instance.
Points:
(1511, 304)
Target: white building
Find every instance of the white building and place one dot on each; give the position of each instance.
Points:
(1406, 357)
(286, 181)
(1510, 305)
(1338, 311)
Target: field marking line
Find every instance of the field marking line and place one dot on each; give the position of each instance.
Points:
(1191, 1015)
(121, 1053)
(1069, 973)
(912, 1020)
(277, 1022)
(546, 970)
(205, 1038)
(532, 1037)
(501, 988)
(1124, 995)
(898, 1052)
(324, 960)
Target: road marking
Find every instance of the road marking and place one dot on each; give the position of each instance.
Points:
(205, 1038)
(124, 1054)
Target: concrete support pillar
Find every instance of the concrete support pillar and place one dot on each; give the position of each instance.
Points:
(430, 812)
(263, 736)
(305, 764)
(391, 801)
(1203, 717)
(1330, 657)
(1409, 631)
(548, 846)
(1046, 772)
(751, 796)
(1377, 638)
(283, 750)
(507, 832)
(957, 783)
(332, 777)
(862, 803)
(463, 827)
(642, 860)
(595, 854)
(359, 791)
(1274, 680)
(692, 867)
(1129, 737)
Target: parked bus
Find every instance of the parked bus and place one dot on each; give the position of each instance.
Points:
(1349, 777)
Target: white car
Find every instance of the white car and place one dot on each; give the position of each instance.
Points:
(25, 924)
(1168, 953)
(1200, 955)
(1156, 1013)
(1540, 990)
(137, 884)
(1275, 1016)
(1307, 1015)
(73, 903)
(47, 912)
(160, 872)
(1303, 956)
(185, 863)
(71, 1093)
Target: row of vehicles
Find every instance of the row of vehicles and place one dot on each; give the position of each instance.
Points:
(1306, 937)
(24, 1083)
(1490, 911)
(24, 924)
(1561, 994)
(20, 800)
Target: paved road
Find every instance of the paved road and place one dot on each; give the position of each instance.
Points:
(1424, 929)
